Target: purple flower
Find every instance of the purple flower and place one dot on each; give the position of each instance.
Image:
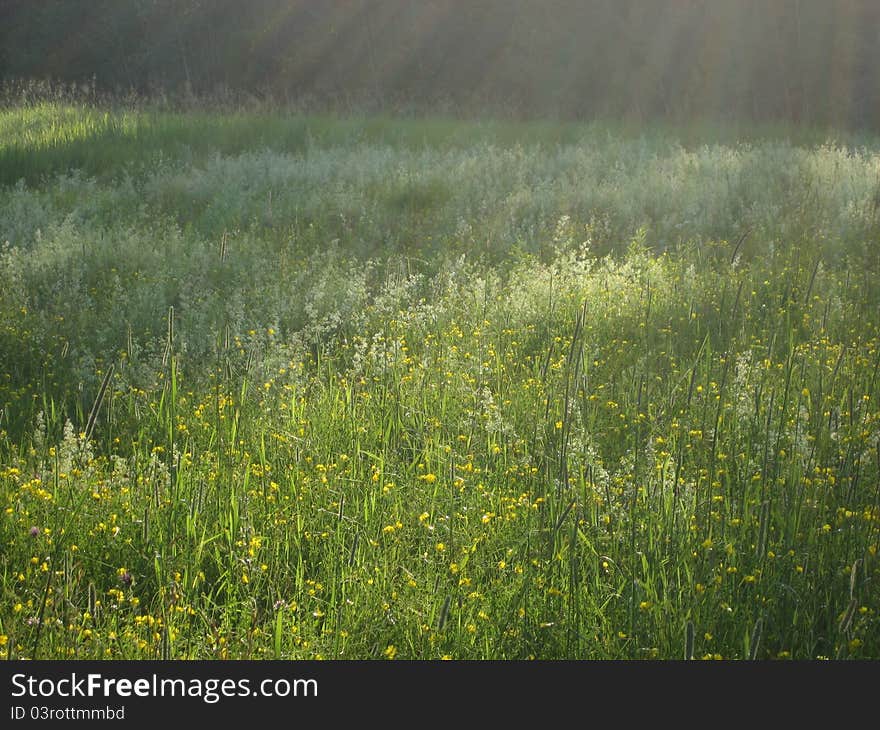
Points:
(126, 579)
(35, 531)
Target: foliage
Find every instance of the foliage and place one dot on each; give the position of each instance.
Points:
(365, 388)
(803, 61)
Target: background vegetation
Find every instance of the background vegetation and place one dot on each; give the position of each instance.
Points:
(804, 61)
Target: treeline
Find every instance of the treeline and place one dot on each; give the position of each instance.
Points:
(811, 61)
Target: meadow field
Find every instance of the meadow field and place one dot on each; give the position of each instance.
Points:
(296, 386)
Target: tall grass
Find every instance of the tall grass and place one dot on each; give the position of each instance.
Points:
(422, 389)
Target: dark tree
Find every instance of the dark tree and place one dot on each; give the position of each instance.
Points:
(811, 61)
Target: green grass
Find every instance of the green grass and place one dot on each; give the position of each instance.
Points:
(287, 386)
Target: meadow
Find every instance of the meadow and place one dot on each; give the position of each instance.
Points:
(299, 386)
